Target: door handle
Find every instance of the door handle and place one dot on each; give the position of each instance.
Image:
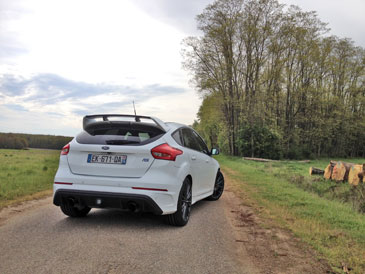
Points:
(193, 157)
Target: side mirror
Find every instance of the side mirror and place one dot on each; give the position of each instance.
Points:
(214, 151)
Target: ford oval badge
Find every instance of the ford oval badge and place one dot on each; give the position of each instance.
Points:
(105, 147)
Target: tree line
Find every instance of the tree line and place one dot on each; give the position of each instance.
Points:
(22, 141)
(274, 83)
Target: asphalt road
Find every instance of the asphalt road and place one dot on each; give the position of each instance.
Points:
(43, 240)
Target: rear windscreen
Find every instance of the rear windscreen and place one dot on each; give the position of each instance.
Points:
(120, 135)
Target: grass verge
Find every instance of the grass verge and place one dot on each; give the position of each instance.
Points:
(331, 227)
(26, 174)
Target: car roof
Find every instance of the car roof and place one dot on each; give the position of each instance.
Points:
(174, 125)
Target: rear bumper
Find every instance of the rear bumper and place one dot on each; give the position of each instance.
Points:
(159, 176)
(96, 199)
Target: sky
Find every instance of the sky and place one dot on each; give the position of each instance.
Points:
(61, 60)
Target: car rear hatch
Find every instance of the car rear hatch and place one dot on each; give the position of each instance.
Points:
(114, 148)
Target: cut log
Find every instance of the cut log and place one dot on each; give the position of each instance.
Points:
(337, 172)
(327, 172)
(355, 174)
(315, 171)
(329, 169)
(348, 166)
(259, 159)
(269, 160)
(361, 175)
(341, 171)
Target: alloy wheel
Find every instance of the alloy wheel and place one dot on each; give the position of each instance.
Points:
(186, 202)
(218, 186)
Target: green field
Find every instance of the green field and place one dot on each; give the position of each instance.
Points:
(318, 212)
(26, 174)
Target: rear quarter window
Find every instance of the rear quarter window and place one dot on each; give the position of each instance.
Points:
(177, 137)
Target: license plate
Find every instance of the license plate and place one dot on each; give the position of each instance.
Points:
(107, 159)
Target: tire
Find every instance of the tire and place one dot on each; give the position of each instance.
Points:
(69, 209)
(181, 216)
(218, 187)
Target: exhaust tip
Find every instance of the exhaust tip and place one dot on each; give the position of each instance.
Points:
(133, 207)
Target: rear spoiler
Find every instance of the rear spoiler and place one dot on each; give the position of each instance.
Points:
(88, 120)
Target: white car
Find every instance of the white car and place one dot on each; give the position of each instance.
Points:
(136, 163)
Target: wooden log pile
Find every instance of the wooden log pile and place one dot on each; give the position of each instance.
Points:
(342, 172)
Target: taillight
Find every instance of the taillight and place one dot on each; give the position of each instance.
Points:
(65, 150)
(165, 152)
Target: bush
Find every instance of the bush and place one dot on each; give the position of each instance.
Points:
(259, 141)
(223, 141)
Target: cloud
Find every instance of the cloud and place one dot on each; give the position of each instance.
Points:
(55, 114)
(15, 107)
(9, 50)
(344, 18)
(180, 14)
(10, 46)
(50, 89)
(57, 104)
(88, 109)
(12, 86)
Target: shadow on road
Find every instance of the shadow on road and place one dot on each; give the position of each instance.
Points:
(117, 218)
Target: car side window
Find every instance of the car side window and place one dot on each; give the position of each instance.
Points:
(202, 146)
(189, 139)
(177, 137)
(192, 140)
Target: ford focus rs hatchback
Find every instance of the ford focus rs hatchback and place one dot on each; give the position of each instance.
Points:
(136, 163)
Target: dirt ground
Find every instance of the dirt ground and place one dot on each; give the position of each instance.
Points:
(271, 249)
